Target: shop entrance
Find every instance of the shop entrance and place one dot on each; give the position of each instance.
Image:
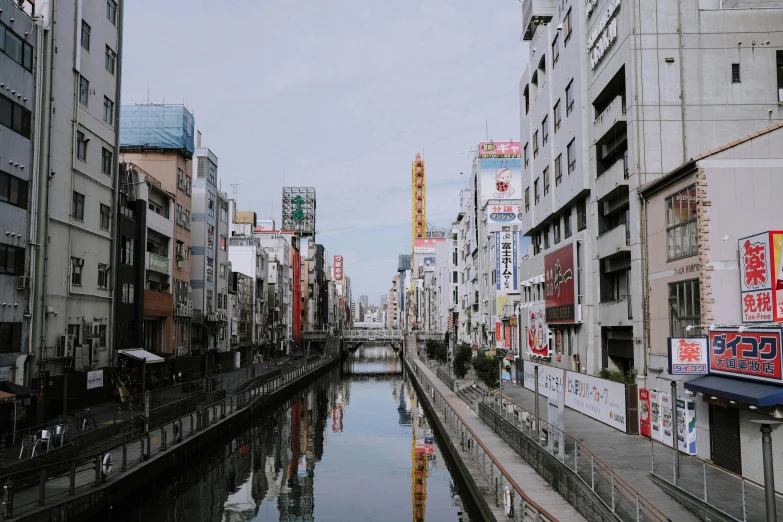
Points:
(725, 438)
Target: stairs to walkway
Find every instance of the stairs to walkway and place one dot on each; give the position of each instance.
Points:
(471, 395)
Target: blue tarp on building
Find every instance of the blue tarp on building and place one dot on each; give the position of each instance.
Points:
(156, 126)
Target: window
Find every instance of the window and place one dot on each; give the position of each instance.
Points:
(556, 113)
(556, 231)
(558, 169)
(128, 248)
(684, 308)
(105, 216)
(567, 223)
(222, 270)
(128, 290)
(779, 56)
(180, 179)
(527, 199)
(15, 117)
(111, 59)
(111, 11)
(13, 190)
(524, 155)
(211, 206)
(11, 260)
(85, 35)
(223, 240)
(569, 97)
(77, 211)
(224, 213)
(546, 180)
(180, 216)
(546, 238)
(103, 276)
(555, 50)
(84, 91)
(187, 219)
(81, 146)
(536, 244)
(581, 215)
(544, 130)
(76, 271)
(188, 184)
(16, 48)
(210, 237)
(210, 268)
(106, 161)
(10, 337)
(735, 73)
(102, 335)
(535, 144)
(571, 151)
(567, 28)
(535, 191)
(681, 225)
(108, 111)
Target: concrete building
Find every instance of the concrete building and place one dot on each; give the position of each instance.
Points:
(18, 185)
(224, 270)
(633, 116)
(159, 140)
(709, 272)
(279, 288)
(248, 258)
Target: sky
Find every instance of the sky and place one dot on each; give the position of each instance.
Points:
(339, 96)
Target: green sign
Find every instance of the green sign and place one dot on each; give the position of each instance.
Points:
(159, 263)
(298, 214)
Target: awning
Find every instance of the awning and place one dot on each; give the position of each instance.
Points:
(21, 392)
(141, 355)
(6, 397)
(748, 392)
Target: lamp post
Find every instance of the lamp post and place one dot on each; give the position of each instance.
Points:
(769, 474)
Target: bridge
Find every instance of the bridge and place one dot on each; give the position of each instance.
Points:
(371, 336)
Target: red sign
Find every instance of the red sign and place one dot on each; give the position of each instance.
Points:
(752, 354)
(338, 268)
(560, 286)
(428, 242)
(507, 336)
(644, 412)
(688, 356)
(497, 332)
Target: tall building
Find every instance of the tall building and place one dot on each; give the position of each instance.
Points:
(364, 300)
(18, 184)
(599, 125)
(159, 140)
(418, 199)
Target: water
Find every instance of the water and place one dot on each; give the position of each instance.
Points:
(353, 446)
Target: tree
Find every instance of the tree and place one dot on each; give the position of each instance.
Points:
(462, 357)
(437, 350)
(487, 369)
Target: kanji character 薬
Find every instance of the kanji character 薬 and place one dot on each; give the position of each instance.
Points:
(754, 260)
(688, 352)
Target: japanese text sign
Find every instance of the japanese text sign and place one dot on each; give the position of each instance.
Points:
(688, 356)
(752, 354)
(500, 149)
(506, 262)
(537, 332)
(560, 286)
(338, 268)
(426, 244)
(506, 214)
(755, 263)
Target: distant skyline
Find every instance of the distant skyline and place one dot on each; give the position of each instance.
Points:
(339, 96)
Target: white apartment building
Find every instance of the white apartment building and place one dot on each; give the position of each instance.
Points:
(248, 257)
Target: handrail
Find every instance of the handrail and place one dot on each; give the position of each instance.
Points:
(486, 450)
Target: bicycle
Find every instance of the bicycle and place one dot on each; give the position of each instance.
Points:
(85, 421)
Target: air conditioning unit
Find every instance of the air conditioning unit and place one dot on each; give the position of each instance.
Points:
(65, 346)
(23, 282)
(81, 360)
(180, 264)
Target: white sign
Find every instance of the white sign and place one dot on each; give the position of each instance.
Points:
(94, 379)
(506, 263)
(597, 398)
(537, 331)
(604, 34)
(756, 289)
(237, 359)
(549, 379)
(504, 214)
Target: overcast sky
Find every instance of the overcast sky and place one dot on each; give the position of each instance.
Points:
(338, 95)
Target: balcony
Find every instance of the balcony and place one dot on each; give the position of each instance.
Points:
(613, 113)
(535, 13)
(615, 311)
(613, 241)
(157, 263)
(612, 178)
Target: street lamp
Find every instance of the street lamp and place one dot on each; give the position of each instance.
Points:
(769, 475)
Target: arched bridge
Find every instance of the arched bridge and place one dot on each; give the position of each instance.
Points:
(358, 336)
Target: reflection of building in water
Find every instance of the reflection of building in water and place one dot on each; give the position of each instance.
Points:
(338, 405)
(404, 408)
(422, 451)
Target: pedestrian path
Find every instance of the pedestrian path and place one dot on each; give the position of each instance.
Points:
(531, 482)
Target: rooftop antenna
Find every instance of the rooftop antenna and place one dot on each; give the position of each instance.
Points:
(148, 94)
(235, 185)
(486, 127)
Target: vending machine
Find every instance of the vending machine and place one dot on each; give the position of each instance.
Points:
(655, 415)
(667, 420)
(686, 426)
(644, 412)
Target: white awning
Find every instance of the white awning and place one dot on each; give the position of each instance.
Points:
(141, 355)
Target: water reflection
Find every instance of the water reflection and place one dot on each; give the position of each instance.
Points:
(335, 451)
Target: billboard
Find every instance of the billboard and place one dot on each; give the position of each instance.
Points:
(500, 149)
(506, 214)
(426, 245)
(338, 268)
(761, 277)
(500, 179)
(299, 210)
(750, 354)
(506, 263)
(688, 356)
(537, 332)
(429, 264)
(560, 283)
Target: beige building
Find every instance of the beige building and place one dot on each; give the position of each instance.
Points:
(695, 221)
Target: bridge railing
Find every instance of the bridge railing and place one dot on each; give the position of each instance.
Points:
(372, 335)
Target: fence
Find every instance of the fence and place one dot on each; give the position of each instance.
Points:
(735, 496)
(615, 493)
(523, 507)
(39, 485)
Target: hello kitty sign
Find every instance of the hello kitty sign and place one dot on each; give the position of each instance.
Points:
(500, 171)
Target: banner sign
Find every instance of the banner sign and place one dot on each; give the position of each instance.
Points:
(500, 149)
(688, 356)
(508, 214)
(94, 379)
(537, 332)
(338, 268)
(426, 244)
(560, 283)
(750, 354)
(506, 262)
(549, 378)
(429, 264)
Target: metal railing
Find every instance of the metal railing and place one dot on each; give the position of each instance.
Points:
(735, 496)
(523, 507)
(625, 502)
(36, 486)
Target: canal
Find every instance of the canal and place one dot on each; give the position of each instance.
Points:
(354, 445)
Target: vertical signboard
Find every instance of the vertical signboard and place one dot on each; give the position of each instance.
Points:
(338, 268)
(429, 264)
(505, 262)
(537, 332)
(776, 270)
(299, 210)
(560, 283)
(756, 278)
